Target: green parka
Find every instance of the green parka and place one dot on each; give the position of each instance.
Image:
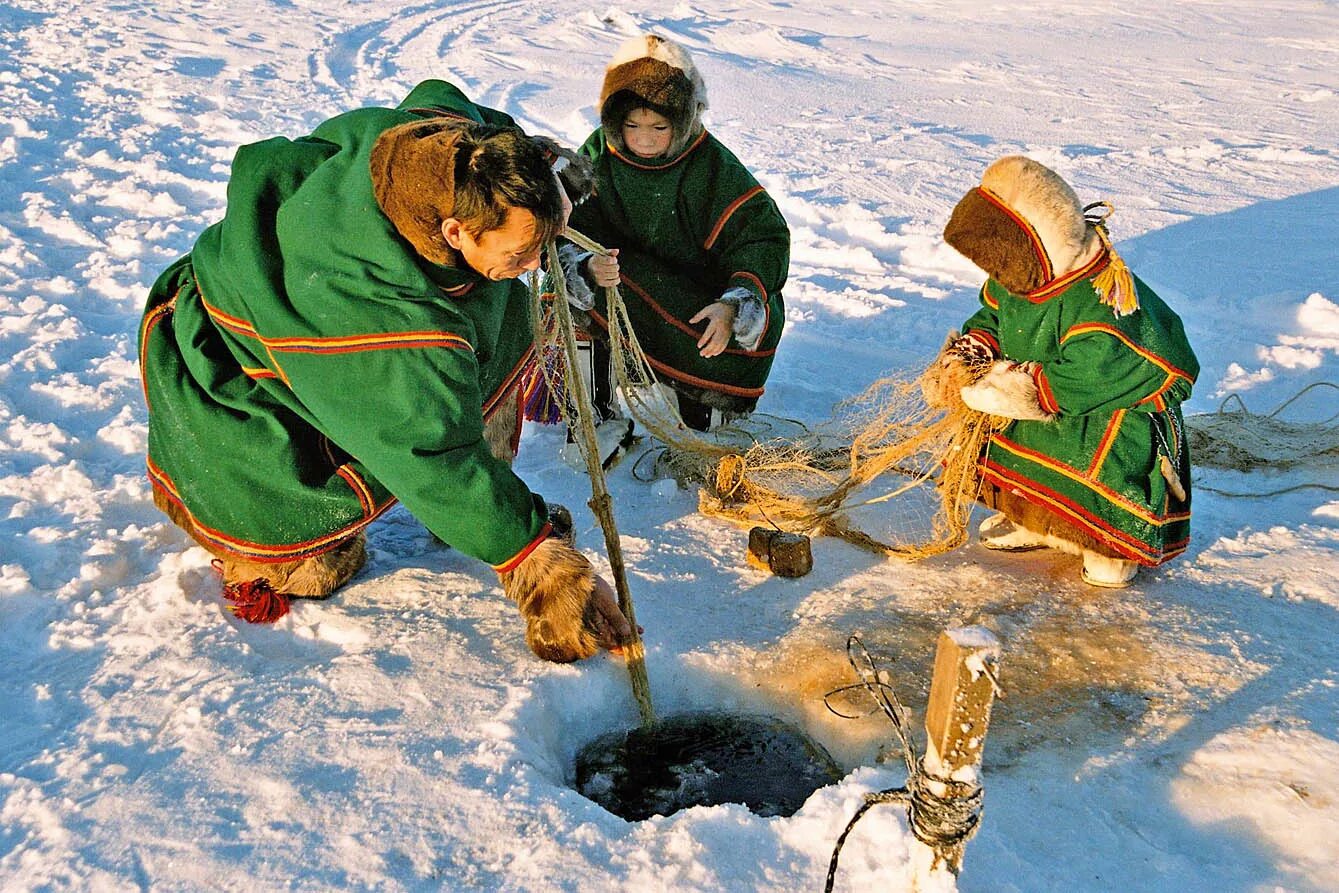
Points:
(688, 227)
(304, 367)
(1115, 385)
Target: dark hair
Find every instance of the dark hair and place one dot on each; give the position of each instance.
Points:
(499, 168)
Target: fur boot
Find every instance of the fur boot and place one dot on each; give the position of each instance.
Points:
(553, 588)
(1056, 532)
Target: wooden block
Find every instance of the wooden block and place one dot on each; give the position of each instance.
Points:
(961, 694)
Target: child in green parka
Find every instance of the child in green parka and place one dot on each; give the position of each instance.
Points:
(351, 334)
(700, 250)
(1091, 366)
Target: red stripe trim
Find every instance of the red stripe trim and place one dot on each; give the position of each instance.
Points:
(339, 343)
(358, 487)
(727, 214)
(1104, 446)
(677, 375)
(260, 552)
(986, 338)
(988, 299)
(1045, 396)
(1038, 248)
(679, 324)
(151, 319)
(262, 372)
(1056, 286)
(1116, 499)
(1084, 328)
(1118, 540)
(500, 394)
(613, 150)
(513, 562)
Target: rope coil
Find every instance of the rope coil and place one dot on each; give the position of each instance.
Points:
(942, 813)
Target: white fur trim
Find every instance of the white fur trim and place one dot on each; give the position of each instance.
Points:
(1048, 203)
(664, 50)
(1007, 390)
(750, 316)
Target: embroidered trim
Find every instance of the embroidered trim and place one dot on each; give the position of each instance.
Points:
(1122, 502)
(514, 561)
(1118, 540)
(1104, 446)
(503, 390)
(727, 214)
(151, 320)
(1045, 396)
(1084, 328)
(679, 324)
(1038, 248)
(985, 338)
(1056, 286)
(655, 167)
(259, 552)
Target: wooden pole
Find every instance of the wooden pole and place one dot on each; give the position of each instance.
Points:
(957, 716)
(600, 501)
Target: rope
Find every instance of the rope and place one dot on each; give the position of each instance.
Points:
(943, 814)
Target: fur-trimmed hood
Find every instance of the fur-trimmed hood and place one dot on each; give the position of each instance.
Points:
(1023, 225)
(655, 72)
(421, 193)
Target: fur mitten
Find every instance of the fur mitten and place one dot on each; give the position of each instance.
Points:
(1008, 390)
(961, 361)
(750, 316)
(553, 588)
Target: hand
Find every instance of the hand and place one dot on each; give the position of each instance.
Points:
(610, 627)
(603, 268)
(720, 317)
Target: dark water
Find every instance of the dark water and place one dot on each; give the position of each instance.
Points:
(702, 759)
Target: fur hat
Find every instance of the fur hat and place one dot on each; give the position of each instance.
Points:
(1023, 225)
(413, 177)
(655, 72)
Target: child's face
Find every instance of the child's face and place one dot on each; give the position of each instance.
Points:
(647, 133)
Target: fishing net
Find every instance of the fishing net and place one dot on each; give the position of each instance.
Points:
(1238, 439)
(827, 479)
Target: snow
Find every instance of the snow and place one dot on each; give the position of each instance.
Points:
(1177, 735)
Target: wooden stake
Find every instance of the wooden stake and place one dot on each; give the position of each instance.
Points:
(957, 716)
(600, 501)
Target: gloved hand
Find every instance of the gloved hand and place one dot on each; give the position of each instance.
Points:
(569, 612)
(1008, 390)
(961, 361)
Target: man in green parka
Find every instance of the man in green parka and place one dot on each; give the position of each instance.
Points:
(350, 334)
(1090, 364)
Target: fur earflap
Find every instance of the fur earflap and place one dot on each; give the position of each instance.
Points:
(655, 72)
(1047, 202)
(553, 588)
(413, 177)
(1008, 390)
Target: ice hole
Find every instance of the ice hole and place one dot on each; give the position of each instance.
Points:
(704, 758)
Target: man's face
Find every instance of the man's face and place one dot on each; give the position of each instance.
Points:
(503, 253)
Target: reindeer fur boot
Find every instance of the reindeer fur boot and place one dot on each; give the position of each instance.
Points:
(553, 588)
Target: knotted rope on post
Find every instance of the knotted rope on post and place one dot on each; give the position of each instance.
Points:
(942, 813)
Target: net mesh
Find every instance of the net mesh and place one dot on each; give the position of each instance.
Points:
(828, 479)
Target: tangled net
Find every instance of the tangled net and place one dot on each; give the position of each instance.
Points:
(778, 472)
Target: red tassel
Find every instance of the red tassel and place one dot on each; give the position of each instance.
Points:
(255, 601)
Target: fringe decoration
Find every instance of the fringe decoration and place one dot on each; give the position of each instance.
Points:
(542, 393)
(1115, 285)
(254, 601)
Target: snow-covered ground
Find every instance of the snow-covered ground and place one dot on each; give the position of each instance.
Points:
(1179, 735)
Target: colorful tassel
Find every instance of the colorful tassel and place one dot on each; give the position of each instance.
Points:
(1115, 284)
(254, 601)
(542, 393)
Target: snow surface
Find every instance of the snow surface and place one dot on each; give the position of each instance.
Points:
(1178, 735)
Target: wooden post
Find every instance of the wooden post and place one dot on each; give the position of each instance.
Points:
(957, 716)
(600, 501)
